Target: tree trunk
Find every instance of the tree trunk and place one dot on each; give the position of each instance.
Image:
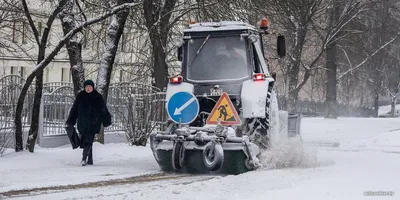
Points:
(33, 131)
(18, 114)
(377, 78)
(294, 69)
(74, 47)
(376, 103)
(157, 19)
(331, 84)
(331, 57)
(115, 30)
(293, 97)
(392, 107)
(160, 72)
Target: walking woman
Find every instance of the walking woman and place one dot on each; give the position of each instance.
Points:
(90, 110)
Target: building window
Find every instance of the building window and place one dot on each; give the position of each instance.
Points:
(46, 75)
(20, 71)
(19, 31)
(14, 70)
(65, 75)
(23, 72)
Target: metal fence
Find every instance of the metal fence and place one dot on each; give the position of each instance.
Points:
(56, 104)
(10, 88)
(134, 107)
(316, 109)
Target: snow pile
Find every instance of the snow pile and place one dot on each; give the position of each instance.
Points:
(385, 142)
(343, 132)
(290, 154)
(386, 109)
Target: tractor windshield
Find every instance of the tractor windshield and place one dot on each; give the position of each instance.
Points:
(217, 58)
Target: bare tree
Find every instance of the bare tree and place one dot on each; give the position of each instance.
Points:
(379, 34)
(41, 41)
(392, 80)
(39, 67)
(295, 17)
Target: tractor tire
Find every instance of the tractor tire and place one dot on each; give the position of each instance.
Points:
(274, 123)
(213, 156)
(262, 130)
(178, 155)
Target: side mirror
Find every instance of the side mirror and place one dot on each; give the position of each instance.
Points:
(179, 52)
(253, 38)
(281, 46)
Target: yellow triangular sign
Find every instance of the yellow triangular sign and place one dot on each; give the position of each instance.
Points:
(225, 111)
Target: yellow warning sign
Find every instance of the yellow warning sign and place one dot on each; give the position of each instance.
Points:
(225, 111)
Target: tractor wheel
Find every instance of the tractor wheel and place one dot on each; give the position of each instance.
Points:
(213, 156)
(178, 155)
(262, 130)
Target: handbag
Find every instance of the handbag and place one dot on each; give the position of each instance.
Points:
(73, 136)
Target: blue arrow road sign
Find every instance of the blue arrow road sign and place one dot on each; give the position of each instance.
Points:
(183, 107)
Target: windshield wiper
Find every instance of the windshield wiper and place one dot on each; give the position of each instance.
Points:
(198, 51)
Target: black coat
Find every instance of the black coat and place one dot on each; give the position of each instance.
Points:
(90, 110)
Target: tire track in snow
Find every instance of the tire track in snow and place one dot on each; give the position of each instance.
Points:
(154, 186)
(130, 180)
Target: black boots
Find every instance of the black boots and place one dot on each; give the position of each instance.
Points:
(87, 154)
(90, 157)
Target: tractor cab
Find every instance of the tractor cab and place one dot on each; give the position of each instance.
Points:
(219, 56)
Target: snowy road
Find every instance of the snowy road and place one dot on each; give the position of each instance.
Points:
(341, 159)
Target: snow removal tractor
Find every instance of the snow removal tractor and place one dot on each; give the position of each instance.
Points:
(222, 108)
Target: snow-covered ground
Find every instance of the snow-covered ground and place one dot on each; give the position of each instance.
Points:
(61, 166)
(340, 159)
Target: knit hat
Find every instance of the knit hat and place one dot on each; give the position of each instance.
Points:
(88, 82)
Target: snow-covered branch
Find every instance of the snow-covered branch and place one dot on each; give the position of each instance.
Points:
(347, 57)
(30, 21)
(79, 28)
(369, 57)
(343, 22)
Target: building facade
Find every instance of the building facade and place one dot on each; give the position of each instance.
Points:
(19, 50)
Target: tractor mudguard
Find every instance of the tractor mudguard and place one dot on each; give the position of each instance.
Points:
(254, 98)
